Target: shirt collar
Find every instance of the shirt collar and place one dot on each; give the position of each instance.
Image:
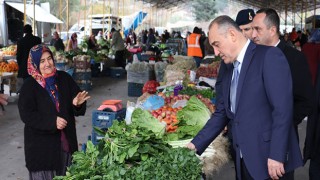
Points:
(277, 43)
(243, 51)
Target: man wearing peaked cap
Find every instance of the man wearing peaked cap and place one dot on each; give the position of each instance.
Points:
(244, 19)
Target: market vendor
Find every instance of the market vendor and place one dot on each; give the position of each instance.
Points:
(92, 43)
(72, 43)
(117, 44)
(48, 103)
(56, 41)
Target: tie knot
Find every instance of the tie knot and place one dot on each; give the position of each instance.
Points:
(236, 64)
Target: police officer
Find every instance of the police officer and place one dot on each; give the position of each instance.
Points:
(244, 19)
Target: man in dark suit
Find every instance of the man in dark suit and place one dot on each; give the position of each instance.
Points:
(257, 99)
(244, 20)
(266, 32)
(23, 47)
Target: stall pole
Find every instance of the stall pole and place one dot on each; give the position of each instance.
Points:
(103, 18)
(108, 34)
(85, 13)
(118, 13)
(67, 20)
(293, 13)
(60, 16)
(90, 32)
(24, 12)
(286, 13)
(34, 16)
(305, 11)
(301, 15)
(314, 14)
(122, 29)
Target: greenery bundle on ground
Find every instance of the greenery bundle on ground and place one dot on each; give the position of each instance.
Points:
(132, 152)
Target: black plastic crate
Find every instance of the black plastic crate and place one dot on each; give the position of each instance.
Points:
(117, 72)
(103, 119)
(134, 89)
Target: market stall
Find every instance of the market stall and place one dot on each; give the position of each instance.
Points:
(131, 141)
(8, 68)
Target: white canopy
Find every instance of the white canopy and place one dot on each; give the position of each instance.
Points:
(40, 14)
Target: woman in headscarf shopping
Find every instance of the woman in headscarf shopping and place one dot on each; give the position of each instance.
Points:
(48, 103)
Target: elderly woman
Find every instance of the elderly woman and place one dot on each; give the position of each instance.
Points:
(48, 103)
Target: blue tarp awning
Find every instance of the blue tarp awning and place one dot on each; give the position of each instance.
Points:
(136, 22)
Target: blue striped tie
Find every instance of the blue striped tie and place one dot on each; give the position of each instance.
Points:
(233, 87)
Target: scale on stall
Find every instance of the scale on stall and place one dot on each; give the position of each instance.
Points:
(112, 105)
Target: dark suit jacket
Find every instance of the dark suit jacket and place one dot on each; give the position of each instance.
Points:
(42, 142)
(262, 125)
(23, 47)
(312, 141)
(303, 97)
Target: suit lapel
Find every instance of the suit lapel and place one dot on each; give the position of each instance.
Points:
(244, 67)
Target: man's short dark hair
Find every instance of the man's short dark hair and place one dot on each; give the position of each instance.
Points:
(113, 29)
(27, 29)
(224, 22)
(271, 19)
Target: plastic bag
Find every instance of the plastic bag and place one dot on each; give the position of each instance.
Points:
(130, 108)
(153, 102)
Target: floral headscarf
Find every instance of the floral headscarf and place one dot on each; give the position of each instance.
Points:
(33, 64)
(46, 81)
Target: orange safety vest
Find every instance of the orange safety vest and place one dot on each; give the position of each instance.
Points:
(194, 45)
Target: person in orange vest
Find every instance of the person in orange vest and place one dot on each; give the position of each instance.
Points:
(194, 49)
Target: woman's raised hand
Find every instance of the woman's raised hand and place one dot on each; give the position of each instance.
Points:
(80, 98)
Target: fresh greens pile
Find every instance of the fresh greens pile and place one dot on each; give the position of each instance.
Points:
(206, 93)
(132, 152)
(104, 44)
(191, 118)
(144, 119)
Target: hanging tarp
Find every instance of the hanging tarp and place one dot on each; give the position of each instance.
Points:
(40, 14)
(135, 22)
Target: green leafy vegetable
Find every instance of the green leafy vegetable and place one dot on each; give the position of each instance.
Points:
(144, 119)
(132, 152)
(207, 93)
(191, 118)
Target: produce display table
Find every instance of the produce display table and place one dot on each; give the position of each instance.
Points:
(9, 57)
(6, 77)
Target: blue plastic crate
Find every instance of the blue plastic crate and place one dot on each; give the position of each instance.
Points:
(85, 86)
(61, 66)
(104, 119)
(95, 138)
(81, 76)
(117, 72)
(70, 71)
(134, 89)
